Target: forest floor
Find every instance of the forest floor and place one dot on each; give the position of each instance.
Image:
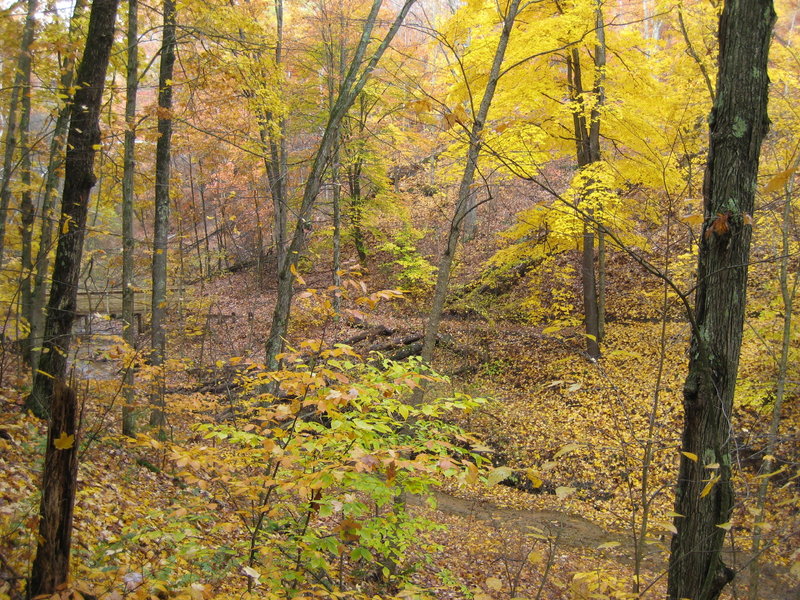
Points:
(575, 433)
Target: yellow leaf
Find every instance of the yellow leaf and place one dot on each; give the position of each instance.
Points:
(725, 526)
(534, 478)
(297, 275)
(472, 473)
(692, 219)
(493, 583)
(568, 448)
(690, 455)
(666, 526)
(608, 545)
(709, 486)
(563, 492)
(64, 441)
(779, 180)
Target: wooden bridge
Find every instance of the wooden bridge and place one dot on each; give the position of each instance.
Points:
(109, 302)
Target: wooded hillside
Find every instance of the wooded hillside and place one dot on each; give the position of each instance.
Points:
(413, 300)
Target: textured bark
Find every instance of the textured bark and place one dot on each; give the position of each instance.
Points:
(738, 124)
(54, 163)
(59, 481)
(50, 394)
(158, 332)
(128, 245)
(84, 137)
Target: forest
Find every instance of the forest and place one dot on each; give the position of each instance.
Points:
(402, 300)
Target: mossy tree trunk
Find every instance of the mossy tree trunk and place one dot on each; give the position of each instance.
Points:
(158, 333)
(128, 245)
(738, 123)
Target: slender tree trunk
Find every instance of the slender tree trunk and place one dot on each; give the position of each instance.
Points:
(202, 189)
(337, 235)
(465, 189)
(335, 76)
(197, 240)
(587, 143)
(471, 217)
(54, 162)
(158, 333)
(601, 286)
(738, 124)
(358, 73)
(276, 160)
(50, 394)
(23, 68)
(129, 332)
(27, 210)
(788, 293)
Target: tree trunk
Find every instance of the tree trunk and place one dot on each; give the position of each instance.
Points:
(54, 161)
(59, 482)
(738, 123)
(356, 211)
(275, 161)
(158, 333)
(358, 73)
(83, 139)
(788, 293)
(471, 217)
(587, 145)
(27, 210)
(50, 394)
(23, 66)
(465, 189)
(128, 245)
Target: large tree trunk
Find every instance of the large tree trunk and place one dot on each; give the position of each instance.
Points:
(83, 139)
(59, 481)
(465, 190)
(738, 123)
(47, 212)
(128, 246)
(50, 394)
(158, 333)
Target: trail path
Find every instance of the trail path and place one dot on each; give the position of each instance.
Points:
(577, 532)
